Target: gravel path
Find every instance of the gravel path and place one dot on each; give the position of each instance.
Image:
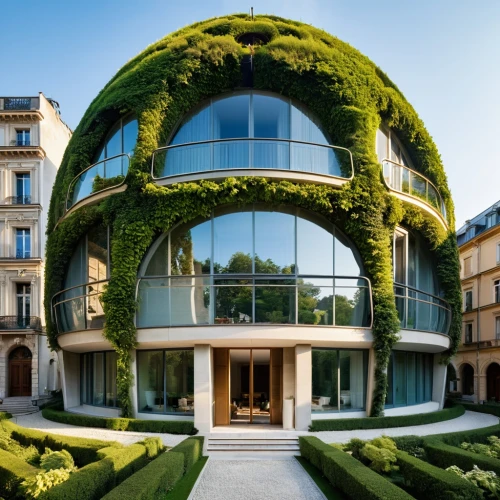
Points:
(255, 480)
(36, 421)
(469, 420)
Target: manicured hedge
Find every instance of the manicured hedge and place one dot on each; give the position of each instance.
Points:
(349, 424)
(121, 424)
(192, 449)
(443, 455)
(153, 481)
(348, 474)
(13, 471)
(470, 436)
(491, 409)
(430, 482)
(84, 451)
(5, 415)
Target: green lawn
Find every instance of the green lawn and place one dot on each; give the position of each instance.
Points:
(323, 484)
(183, 488)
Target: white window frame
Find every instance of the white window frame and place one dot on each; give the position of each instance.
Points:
(468, 329)
(496, 290)
(23, 295)
(27, 232)
(497, 327)
(471, 301)
(26, 136)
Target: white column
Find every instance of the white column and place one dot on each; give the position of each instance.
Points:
(69, 364)
(303, 387)
(438, 381)
(370, 383)
(203, 388)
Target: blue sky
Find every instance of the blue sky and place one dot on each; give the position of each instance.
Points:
(443, 54)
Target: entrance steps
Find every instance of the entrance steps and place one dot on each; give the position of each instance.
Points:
(251, 445)
(18, 405)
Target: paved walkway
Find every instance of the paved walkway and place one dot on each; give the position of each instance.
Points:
(255, 480)
(36, 421)
(469, 420)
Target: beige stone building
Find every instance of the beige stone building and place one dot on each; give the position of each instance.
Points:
(33, 138)
(478, 360)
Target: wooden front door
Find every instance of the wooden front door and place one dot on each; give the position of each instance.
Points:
(221, 386)
(20, 372)
(276, 383)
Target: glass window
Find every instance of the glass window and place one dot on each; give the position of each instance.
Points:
(121, 140)
(271, 117)
(23, 188)
(166, 381)
(382, 145)
(130, 131)
(231, 117)
(196, 128)
(190, 249)
(97, 254)
(314, 248)
(111, 376)
(468, 333)
(338, 380)
(497, 327)
(23, 244)
(23, 137)
(23, 292)
(496, 289)
(468, 300)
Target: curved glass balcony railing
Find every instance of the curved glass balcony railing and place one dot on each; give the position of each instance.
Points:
(79, 308)
(240, 300)
(405, 180)
(421, 311)
(245, 153)
(102, 175)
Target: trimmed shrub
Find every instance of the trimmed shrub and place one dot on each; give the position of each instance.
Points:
(121, 424)
(5, 415)
(192, 449)
(153, 481)
(126, 461)
(56, 460)
(154, 446)
(443, 455)
(471, 436)
(312, 448)
(405, 443)
(84, 451)
(37, 486)
(356, 480)
(381, 460)
(428, 481)
(13, 471)
(491, 409)
(28, 454)
(349, 424)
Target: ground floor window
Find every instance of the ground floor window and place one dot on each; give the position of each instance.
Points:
(165, 380)
(98, 378)
(338, 380)
(409, 378)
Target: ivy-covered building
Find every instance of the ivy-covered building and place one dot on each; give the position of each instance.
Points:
(251, 225)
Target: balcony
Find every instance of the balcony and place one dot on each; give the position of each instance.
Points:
(20, 323)
(79, 308)
(20, 109)
(20, 255)
(404, 180)
(274, 158)
(22, 149)
(342, 301)
(421, 311)
(99, 177)
(18, 200)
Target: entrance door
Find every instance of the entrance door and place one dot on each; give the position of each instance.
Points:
(20, 372)
(493, 382)
(221, 386)
(276, 384)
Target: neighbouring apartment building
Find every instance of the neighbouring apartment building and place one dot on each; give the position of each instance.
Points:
(478, 359)
(33, 138)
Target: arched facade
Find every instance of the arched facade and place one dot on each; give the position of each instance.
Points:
(255, 235)
(467, 379)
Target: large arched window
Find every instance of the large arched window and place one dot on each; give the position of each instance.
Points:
(254, 265)
(251, 130)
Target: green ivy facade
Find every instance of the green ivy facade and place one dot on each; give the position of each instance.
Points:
(351, 97)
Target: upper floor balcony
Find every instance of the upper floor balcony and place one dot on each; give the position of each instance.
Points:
(412, 186)
(20, 109)
(20, 323)
(104, 177)
(23, 199)
(275, 158)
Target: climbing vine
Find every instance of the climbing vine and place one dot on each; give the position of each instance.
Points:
(347, 92)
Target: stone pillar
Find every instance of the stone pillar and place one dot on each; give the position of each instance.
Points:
(288, 372)
(69, 364)
(203, 388)
(438, 381)
(303, 387)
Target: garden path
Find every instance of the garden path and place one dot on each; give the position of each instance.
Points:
(469, 420)
(255, 480)
(36, 421)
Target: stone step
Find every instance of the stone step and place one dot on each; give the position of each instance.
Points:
(253, 447)
(251, 442)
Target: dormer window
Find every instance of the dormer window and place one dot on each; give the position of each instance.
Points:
(491, 219)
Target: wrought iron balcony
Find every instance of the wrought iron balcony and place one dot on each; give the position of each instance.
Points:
(20, 323)
(421, 311)
(20, 103)
(79, 307)
(246, 153)
(105, 174)
(17, 142)
(405, 180)
(24, 199)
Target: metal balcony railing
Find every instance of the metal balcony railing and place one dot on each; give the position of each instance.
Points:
(105, 174)
(336, 301)
(79, 307)
(17, 142)
(405, 180)
(24, 199)
(252, 153)
(421, 311)
(20, 103)
(20, 323)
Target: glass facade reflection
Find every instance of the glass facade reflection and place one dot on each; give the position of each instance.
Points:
(251, 130)
(165, 380)
(98, 378)
(409, 378)
(338, 380)
(254, 265)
